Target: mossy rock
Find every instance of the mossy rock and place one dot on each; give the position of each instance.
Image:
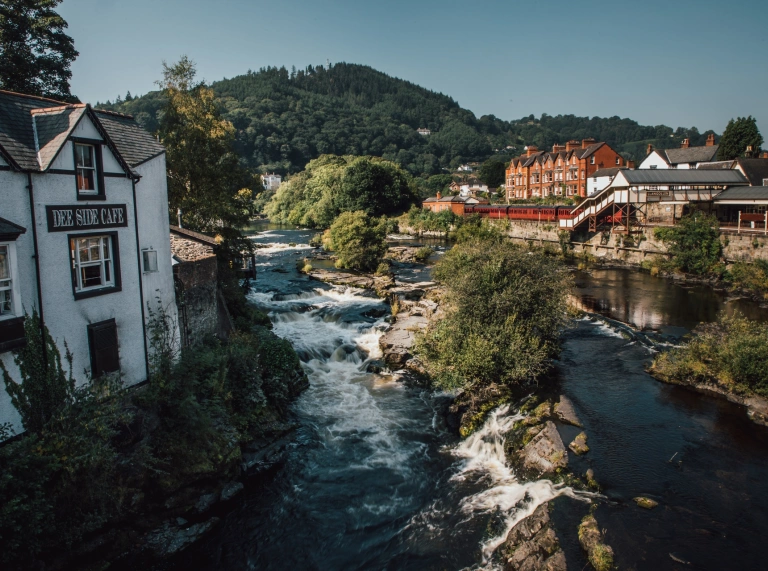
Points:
(646, 503)
(579, 444)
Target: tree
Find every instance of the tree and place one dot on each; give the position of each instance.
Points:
(493, 172)
(35, 53)
(694, 243)
(376, 187)
(739, 135)
(205, 179)
(358, 240)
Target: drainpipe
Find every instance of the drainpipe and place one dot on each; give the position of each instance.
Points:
(37, 266)
(141, 279)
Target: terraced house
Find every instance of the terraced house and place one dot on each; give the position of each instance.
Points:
(83, 235)
(562, 172)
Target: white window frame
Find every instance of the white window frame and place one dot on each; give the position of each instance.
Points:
(102, 262)
(12, 282)
(94, 168)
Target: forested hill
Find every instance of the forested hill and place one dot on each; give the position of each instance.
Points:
(286, 118)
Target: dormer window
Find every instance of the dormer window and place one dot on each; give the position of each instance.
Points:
(85, 164)
(89, 177)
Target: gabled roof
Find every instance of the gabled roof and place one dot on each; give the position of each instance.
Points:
(682, 176)
(33, 131)
(9, 230)
(756, 170)
(716, 165)
(590, 149)
(691, 155)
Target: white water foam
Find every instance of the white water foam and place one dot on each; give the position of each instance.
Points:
(484, 456)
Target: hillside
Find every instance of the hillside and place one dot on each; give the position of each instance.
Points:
(285, 119)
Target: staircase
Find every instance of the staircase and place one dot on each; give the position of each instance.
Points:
(591, 208)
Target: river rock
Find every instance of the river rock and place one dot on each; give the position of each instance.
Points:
(646, 503)
(599, 554)
(579, 444)
(566, 412)
(532, 545)
(398, 341)
(546, 452)
(205, 502)
(402, 253)
(348, 279)
(171, 538)
(231, 490)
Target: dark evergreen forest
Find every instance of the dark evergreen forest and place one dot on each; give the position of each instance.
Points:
(285, 118)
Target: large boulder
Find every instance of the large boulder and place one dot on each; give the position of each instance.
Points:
(545, 453)
(532, 545)
(566, 412)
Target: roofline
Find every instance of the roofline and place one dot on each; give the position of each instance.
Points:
(200, 237)
(114, 113)
(9, 159)
(60, 108)
(150, 158)
(37, 97)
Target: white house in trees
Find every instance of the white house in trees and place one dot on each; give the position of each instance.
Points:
(686, 157)
(83, 235)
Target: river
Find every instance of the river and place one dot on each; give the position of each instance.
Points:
(374, 479)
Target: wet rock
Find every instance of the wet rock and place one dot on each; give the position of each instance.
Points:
(172, 538)
(205, 502)
(398, 341)
(403, 254)
(566, 412)
(579, 444)
(546, 452)
(375, 366)
(415, 365)
(591, 482)
(231, 490)
(599, 554)
(348, 279)
(532, 545)
(646, 503)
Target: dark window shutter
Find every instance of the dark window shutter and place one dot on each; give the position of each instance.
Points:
(102, 339)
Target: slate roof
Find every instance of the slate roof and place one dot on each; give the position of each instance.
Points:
(683, 176)
(204, 238)
(33, 130)
(691, 155)
(756, 170)
(607, 172)
(135, 144)
(717, 165)
(9, 230)
(744, 193)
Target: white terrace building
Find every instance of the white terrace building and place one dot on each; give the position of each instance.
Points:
(83, 235)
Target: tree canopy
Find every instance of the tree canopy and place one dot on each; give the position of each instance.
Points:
(334, 184)
(493, 172)
(358, 240)
(739, 135)
(205, 179)
(35, 51)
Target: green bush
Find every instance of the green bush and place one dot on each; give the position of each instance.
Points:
(358, 241)
(694, 243)
(505, 307)
(731, 352)
(423, 254)
(751, 277)
(383, 269)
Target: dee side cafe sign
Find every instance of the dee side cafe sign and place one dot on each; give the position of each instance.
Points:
(62, 218)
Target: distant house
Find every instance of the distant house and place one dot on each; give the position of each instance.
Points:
(601, 178)
(469, 187)
(425, 132)
(754, 170)
(686, 157)
(456, 204)
(464, 168)
(271, 181)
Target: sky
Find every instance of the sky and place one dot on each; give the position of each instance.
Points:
(674, 62)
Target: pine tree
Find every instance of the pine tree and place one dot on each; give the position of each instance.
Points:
(35, 53)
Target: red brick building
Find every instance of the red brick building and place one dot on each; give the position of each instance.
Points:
(563, 172)
(456, 204)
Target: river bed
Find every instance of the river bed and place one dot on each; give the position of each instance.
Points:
(374, 479)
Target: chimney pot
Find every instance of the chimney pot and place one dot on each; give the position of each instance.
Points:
(686, 143)
(587, 142)
(439, 195)
(650, 149)
(630, 164)
(711, 140)
(571, 145)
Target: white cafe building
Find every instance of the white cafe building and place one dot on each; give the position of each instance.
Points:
(83, 235)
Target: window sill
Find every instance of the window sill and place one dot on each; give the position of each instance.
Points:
(96, 292)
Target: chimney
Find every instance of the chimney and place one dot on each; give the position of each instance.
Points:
(764, 155)
(587, 142)
(630, 164)
(571, 145)
(650, 149)
(439, 195)
(711, 140)
(686, 143)
(532, 149)
(558, 148)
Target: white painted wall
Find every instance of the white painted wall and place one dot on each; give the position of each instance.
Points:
(654, 160)
(596, 184)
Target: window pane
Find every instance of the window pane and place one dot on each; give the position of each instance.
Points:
(105, 244)
(5, 270)
(93, 248)
(5, 302)
(85, 179)
(107, 272)
(91, 276)
(84, 154)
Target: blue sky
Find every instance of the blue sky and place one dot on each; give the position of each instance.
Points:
(676, 62)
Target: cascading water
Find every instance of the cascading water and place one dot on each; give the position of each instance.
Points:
(375, 480)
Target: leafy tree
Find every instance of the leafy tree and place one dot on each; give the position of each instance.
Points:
(358, 240)
(505, 307)
(35, 52)
(694, 243)
(740, 134)
(45, 387)
(493, 172)
(205, 179)
(374, 187)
